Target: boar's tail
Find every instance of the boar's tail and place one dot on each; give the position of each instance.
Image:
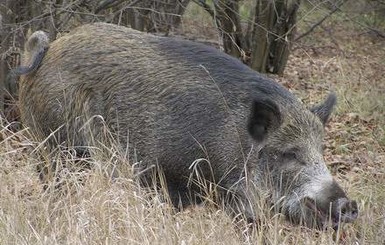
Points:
(36, 48)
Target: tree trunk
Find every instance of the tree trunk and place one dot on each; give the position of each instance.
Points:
(11, 37)
(265, 43)
(228, 22)
(260, 39)
(3, 66)
(152, 15)
(284, 35)
(16, 18)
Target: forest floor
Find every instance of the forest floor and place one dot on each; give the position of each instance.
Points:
(338, 57)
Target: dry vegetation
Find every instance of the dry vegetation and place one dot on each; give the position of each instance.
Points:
(93, 209)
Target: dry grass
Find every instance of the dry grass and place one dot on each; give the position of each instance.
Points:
(93, 209)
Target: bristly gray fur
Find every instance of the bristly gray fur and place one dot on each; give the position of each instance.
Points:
(175, 101)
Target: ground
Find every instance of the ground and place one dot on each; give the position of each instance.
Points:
(338, 57)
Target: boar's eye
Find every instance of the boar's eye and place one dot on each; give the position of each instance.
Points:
(289, 155)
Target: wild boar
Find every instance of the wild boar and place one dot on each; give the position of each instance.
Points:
(185, 108)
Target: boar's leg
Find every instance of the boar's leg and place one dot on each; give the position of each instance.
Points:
(235, 202)
(239, 206)
(181, 196)
(47, 168)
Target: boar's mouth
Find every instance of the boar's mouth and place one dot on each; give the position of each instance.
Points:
(322, 217)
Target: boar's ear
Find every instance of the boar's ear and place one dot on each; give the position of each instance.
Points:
(324, 110)
(264, 118)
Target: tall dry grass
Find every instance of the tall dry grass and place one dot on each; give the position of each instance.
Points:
(92, 207)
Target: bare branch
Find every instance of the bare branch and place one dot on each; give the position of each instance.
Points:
(377, 32)
(106, 4)
(335, 9)
(205, 6)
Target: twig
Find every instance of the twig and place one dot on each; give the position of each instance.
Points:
(112, 3)
(107, 4)
(371, 29)
(336, 8)
(377, 32)
(205, 6)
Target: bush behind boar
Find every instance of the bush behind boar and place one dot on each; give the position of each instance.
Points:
(183, 106)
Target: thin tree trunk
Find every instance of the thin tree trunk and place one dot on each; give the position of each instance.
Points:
(7, 38)
(12, 38)
(263, 23)
(265, 43)
(229, 24)
(152, 15)
(284, 35)
(3, 67)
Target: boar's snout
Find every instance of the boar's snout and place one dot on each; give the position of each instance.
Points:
(327, 212)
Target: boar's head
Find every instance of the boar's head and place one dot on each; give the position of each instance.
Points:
(291, 166)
